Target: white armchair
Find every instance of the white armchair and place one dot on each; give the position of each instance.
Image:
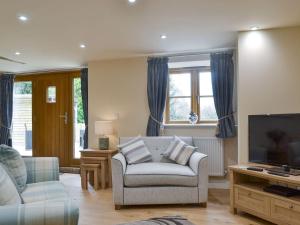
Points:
(160, 181)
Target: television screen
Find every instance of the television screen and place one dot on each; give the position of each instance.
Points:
(275, 139)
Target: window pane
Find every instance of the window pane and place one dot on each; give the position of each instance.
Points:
(180, 109)
(78, 122)
(22, 118)
(180, 84)
(205, 83)
(207, 109)
(51, 94)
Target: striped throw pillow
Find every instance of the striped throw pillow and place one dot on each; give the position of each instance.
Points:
(135, 151)
(8, 191)
(15, 164)
(179, 151)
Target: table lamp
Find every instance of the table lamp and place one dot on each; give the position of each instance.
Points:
(103, 128)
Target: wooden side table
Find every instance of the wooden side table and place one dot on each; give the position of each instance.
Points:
(108, 154)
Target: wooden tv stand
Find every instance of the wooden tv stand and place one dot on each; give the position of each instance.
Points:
(246, 194)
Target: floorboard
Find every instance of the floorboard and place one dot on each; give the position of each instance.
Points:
(97, 208)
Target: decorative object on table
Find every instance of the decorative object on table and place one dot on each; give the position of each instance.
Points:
(193, 118)
(103, 128)
(167, 220)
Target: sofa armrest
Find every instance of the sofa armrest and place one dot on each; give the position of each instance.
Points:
(40, 169)
(40, 213)
(118, 170)
(199, 164)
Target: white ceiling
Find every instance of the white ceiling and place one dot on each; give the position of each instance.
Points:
(115, 29)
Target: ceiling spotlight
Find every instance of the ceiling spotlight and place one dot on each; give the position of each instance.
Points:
(131, 1)
(82, 46)
(254, 28)
(23, 18)
(163, 36)
(17, 53)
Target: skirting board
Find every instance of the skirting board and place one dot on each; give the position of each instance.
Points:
(219, 184)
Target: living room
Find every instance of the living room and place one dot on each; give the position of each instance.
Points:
(149, 112)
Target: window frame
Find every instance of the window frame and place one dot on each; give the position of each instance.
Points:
(195, 95)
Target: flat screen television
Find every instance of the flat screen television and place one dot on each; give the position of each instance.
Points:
(275, 139)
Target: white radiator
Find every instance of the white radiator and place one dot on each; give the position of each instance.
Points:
(213, 147)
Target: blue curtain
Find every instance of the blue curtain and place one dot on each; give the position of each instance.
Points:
(222, 75)
(157, 93)
(84, 93)
(6, 110)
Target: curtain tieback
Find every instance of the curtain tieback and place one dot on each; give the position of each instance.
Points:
(224, 117)
(9, 128)
(158, 122)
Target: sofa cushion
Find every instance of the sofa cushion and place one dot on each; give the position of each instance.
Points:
(44, 191)
(159, 174)
(13, 161)
(158, 145)
(135, 151)
(179, 151)
(8, 191)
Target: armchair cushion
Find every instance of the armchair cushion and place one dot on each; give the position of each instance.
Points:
(8, 191)
(159, 174)
(179, 151)
(135, 151)
(14, 163)
(44, 191)
(58, 212)
(40, 169)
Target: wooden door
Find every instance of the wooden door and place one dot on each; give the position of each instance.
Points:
(52, 125)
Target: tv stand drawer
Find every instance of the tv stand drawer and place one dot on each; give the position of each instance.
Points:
(256, 202)
(285, 211)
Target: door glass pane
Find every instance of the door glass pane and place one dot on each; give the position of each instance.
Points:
(180, 109)
(180, 84)
(207, 109)
(22, 118)
(205, 84)
(78, 122)
(51, 94)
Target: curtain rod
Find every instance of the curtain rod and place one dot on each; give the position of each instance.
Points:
(184, 54)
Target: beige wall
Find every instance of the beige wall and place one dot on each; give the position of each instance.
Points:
(120, 87)
(117, 88)
(269, 77)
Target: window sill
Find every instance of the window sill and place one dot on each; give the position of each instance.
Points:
(204, 125)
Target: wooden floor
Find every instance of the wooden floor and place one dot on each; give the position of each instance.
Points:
(96, 208)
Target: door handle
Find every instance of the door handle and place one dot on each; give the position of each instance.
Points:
(65, 116)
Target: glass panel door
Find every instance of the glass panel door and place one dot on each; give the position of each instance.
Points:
(78, 119)
(22, 118)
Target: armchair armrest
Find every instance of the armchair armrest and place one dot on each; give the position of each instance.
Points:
(118, 170)
(40, 213)
(40, 169)
(199, 164)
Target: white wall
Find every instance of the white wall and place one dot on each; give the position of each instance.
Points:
(268, 77)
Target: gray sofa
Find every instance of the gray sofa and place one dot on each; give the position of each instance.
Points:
(160, 181)
(45, 199)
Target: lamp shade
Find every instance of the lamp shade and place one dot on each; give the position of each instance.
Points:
(103, 128)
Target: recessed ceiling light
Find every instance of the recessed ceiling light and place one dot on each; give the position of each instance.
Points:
(131, 1)
(82, 46)
(163, 36)
(17, 53)
(23, 18)
(254, 28)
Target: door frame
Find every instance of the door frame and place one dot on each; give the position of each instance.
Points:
(34, 78)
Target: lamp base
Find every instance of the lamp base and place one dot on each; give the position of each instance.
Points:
(103, 143)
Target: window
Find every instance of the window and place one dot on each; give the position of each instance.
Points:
(51, 94)
(22, 118)
(190, 90)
